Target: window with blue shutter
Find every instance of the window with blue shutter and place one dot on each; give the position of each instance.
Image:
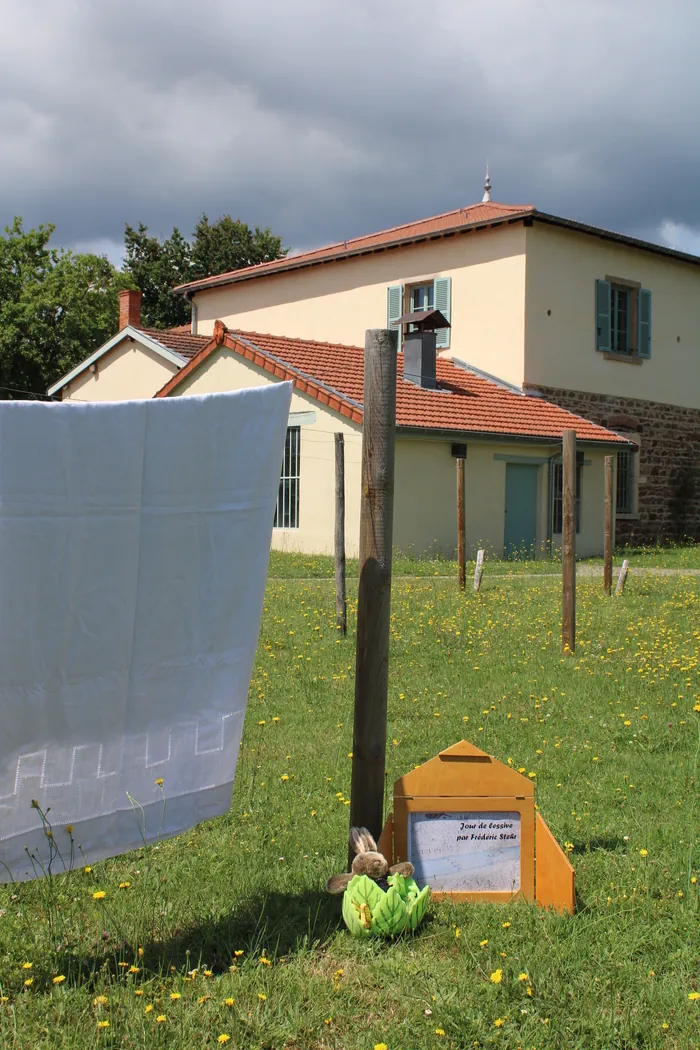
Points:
(602, 315)
(443, 302)
(394, 298)
(644, 343)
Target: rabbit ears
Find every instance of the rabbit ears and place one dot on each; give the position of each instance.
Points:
(361, 841)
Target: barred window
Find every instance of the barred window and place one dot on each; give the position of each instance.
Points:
(624, 497)
(557, 497)
(287, 510)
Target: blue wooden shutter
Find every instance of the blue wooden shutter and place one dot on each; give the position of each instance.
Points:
(644, 344)
(442, 297)
(602, 315)
(394, 309)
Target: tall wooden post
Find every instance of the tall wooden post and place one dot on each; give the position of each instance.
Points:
(341, 611)
(568, 553)
(374, 592)
(608, 544)
(461, 538)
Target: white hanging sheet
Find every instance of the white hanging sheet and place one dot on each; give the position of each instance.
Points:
(134, 544)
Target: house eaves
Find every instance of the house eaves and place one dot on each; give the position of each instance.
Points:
(135, 335)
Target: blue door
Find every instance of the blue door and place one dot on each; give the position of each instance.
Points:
(521, 510)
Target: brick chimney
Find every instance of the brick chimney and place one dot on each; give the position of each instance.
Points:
(129, 308)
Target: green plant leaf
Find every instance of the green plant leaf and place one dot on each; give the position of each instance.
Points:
(390, 915)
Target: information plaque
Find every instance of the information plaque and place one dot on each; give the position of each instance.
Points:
(468, 852)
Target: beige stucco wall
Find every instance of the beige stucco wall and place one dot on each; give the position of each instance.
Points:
(128, 371)
(425, 515)
(562, 267)
(338, 301)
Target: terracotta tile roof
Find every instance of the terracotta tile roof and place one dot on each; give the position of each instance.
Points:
(464, 403)
(435, 226)
(179, 339)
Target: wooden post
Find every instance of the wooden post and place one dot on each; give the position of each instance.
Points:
(479, 569)
(622, 578)
(341, 612)
(568, 552)
(461, 538)
(608, 544)
(374, 591)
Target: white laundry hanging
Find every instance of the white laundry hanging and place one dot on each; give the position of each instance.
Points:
(134, 544)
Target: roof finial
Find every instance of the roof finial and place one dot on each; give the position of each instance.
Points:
(486, 199)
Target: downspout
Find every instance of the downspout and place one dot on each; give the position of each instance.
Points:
(189, 296)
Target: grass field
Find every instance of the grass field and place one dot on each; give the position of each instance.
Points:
(612, 739)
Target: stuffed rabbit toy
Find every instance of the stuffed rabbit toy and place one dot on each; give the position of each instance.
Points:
(367, 862)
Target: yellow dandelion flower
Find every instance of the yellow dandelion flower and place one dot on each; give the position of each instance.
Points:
(29, 982)
(27, 965)
(482, 944)
(693, 996)
(160, 1018)
(262, 997)
(505, 925)
(69, 829)
(644, 853)
(159, 781)
(124, 885)
(261, 722)
(122, 965)
(498, 1022)
(100, 1000)
(522, 976)
(458, 932)
(138, 991)
(238, 953)
(175, 996)
(439, 1031)
(284, 776)
(149, 1008)
(133, 969)
(380, 1046)
(496, 977)
(58, 979)
(99, 895)
(229, 1001)
(87, 869)
(224, 1038)
(263, 961)
(103, 1024)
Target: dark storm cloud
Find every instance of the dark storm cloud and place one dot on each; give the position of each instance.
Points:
(327, 119)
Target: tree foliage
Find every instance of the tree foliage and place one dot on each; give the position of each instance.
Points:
(157, 265)
(56, 307)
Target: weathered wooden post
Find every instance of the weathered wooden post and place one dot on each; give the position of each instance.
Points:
(568, 551)
(341, 611)
(622, 578)
(374, 592)
(479, 569)
(608, 543)
(461, 538)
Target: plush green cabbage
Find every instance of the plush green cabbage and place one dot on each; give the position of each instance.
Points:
(368, 910)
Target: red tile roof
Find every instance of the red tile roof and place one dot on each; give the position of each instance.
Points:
(436, 226)
(179, 339)
(464, 403)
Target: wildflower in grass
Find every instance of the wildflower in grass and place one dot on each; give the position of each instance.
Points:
(380, 1046)
(29, 982)
(238, 953)
(58, 979)
(498, 1022)
(69, 829)
(568, 846)
(262, 997)
(138, 991)
(100, 1000)
(439, 1031)
(482, 944)
(103, 1024)
(133, 969)
(522, 976)
(87, 869)
(149, 1009)
(229, 1001)
(693, 996)
(261, 722)
(496, 977)
(224, 1038)
(124, 885)
(159, 781)
(99, 895)
(505, 925)
(175, 996)
(644, 853)
(27, 965)
(160, 1018)
(275, 718)
(284, 776)
(458, 932)
(264, 961)
(208, 973)
(529, 990)
(122, 965)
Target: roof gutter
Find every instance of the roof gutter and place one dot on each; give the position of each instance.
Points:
(490, 436)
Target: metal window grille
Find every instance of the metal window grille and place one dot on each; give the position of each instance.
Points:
(623, 495)
(557, 491)
(287, 510)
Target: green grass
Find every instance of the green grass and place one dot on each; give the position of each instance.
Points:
(613, 740)
(320, 566)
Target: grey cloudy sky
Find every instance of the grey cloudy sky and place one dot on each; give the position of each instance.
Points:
(326, 119)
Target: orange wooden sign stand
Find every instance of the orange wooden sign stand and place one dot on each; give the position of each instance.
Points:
(466, 820)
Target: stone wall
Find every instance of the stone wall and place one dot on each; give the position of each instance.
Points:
(669, 461)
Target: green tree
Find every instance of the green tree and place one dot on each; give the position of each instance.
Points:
(56, 307)
(157, 265)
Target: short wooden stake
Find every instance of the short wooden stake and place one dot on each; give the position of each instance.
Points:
(568, 553)
(622, 578)
(479, 569)
(608, 544)
(341, 612)
(374, 592)
(461, 538)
